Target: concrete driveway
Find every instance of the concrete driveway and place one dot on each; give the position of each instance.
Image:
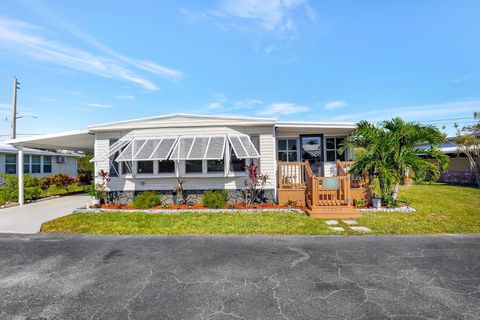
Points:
(55, 276)
(29, 218)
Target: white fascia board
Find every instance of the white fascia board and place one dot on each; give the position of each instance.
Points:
(133, 123)
(293, 124)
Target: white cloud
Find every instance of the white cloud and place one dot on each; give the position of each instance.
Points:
(264, 16)
(334, 105)
(23, 39)
(125, 96)
(269, 15)
(420, 112)
(283, 108)
(5, 106)
(215, 105)
(98, 105)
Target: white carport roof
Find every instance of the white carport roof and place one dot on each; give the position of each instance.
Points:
(82, 140)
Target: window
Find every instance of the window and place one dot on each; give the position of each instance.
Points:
(47, 164)
(287, 150)
(26, 164)
(166, 166)
(10, 163)
(36, 164)
(127, 167)
(113, 171)
(236, 165)
(193, 166)
(145, 167)
(214, 166)
(332, 146)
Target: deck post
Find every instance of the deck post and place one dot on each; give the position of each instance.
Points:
(21, 197)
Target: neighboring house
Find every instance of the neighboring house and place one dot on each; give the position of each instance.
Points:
(39, 163)
(459, 170)
(208, 152)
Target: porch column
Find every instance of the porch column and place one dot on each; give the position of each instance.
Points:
(21, 198)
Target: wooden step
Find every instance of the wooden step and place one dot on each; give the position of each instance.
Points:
(334, 212)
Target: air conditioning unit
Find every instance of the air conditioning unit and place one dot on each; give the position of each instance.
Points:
(60, 159)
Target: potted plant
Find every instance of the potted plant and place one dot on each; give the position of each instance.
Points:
(95, 194)
(376, 192)
(408, 181)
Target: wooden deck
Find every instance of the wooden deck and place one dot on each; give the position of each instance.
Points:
(324, 197)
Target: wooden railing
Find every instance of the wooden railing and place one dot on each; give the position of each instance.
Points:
(320, 191)
(343, 168)
(291, 175)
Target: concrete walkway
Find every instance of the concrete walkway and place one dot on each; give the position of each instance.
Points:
(29, 218)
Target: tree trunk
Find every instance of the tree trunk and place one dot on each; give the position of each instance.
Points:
(395, 192)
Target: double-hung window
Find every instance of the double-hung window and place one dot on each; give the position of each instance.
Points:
(287, 150)
(47, 164)
(36, 164)
(10, 163)
(166, 166)
(26, 164)
(332, 146)
(145, 167)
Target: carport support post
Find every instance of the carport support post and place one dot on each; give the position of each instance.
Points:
(21, 197)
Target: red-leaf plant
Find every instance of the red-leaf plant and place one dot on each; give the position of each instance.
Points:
(255, 184)
(102, 186)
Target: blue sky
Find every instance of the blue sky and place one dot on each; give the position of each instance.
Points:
(88, 62)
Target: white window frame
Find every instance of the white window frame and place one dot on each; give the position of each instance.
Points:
(326, 150)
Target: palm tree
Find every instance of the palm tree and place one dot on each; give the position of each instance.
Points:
(392, 152)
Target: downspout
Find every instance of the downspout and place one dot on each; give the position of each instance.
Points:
(21, 196)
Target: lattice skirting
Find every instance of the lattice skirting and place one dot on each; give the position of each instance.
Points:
(363, 193)
(298, 195)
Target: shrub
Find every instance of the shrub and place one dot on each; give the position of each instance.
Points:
(214, 199)
(32, 193)
(359, 202)
(146, 200)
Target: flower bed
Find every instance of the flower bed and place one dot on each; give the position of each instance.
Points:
(235, 207)
(191, 210)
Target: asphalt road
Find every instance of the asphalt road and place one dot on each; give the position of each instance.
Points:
(122, 277)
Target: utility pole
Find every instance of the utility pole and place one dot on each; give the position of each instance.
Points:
(14, 107)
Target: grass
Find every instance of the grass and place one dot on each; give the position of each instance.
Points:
(440, 209)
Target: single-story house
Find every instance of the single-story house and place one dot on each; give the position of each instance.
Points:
(207, 152)
(39, 163)
(460, 169)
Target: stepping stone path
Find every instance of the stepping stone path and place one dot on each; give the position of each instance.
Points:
(331, 222)
(352, 224)
(360, 229)
(337, 229)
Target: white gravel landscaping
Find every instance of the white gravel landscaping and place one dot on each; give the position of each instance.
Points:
(400, 209)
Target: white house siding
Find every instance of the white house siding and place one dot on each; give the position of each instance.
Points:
(201, 182)
(69, 167)
(329, 168)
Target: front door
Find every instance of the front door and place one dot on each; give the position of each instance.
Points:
(311, 149)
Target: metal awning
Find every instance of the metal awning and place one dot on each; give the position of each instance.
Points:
(243, 147)
(145, 149)
(112, 150)
(199, 148)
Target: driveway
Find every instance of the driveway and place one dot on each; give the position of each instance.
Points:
(29, 218)
(48, 276)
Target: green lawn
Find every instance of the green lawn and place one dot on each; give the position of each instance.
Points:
(440, 209)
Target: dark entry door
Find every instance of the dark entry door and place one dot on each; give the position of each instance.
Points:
(312, 151)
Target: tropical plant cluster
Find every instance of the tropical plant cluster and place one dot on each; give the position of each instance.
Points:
(37, 187)
(391, 152)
